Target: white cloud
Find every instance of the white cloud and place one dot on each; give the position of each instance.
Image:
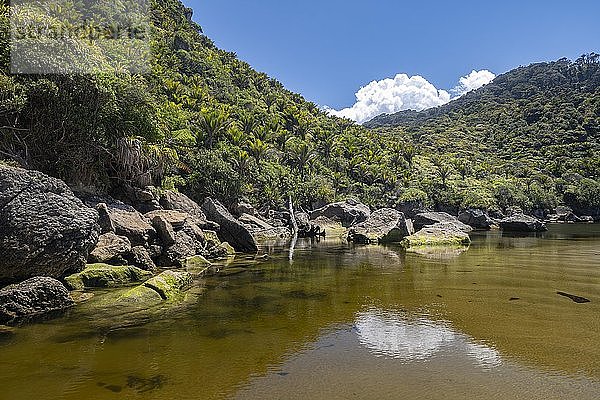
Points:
(474, 80)
(406, 93)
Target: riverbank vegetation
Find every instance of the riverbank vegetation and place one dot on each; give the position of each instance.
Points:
(205, 122)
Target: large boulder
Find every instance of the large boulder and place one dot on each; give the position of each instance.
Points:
(171, 200)
(125, 221)
(349, 212)
(106, 276)
(442, 234)
(431, 218)
(35, 296)
(110, 249)
(476, 218)
(522, 223)
(44, 229)
(232, 231)
(383, 226)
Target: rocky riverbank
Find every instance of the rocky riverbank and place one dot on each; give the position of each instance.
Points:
(53, 240)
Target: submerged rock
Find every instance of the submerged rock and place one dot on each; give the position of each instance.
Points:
(437, 235)
(522, 223)
(349, 212)
(232, 231)
(166, 286)
(430, 218)
(383, 226)
(35, 296)
(44, 229)
(105, 276)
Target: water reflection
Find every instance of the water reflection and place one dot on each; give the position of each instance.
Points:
(400, 336)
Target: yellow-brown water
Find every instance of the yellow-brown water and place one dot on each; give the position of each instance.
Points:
(341, 322)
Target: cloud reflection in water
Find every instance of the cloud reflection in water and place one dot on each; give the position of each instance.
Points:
(396, 335)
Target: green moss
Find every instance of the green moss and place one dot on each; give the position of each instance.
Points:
(106, 276)
(169, 284)
(141, 294)
(436, 237)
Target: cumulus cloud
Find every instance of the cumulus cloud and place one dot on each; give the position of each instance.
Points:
(474, 80)
(406, 93)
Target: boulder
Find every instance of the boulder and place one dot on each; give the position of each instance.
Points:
(44, 229)
(587, 219)
(243, 207)
(254, 223)
(431, 218)
(140, 257)
(383, 226)
(110, 249)
(165, 230)
(35, 296)
(444, 234)
(522, 223)
(349, 212)
(476, 218)
(106, 276)
(232, 231)
(169, 284)
(171, 200)
(125, 221)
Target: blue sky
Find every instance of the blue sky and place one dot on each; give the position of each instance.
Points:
(327, 49)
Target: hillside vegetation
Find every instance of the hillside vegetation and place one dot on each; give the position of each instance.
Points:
(205, 122)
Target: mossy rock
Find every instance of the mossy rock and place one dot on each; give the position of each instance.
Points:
(106, 276)
(197, 265)
(140, 295)
(436, 237)
(211, 237)
(169, 284)
(227, 249)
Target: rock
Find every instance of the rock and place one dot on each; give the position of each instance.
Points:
(171, 200)
(240, 208)
(125, 221)
(169, 284)
(39, 295)
(232, 231)
(522, 223)
(330, 227)
(563, 211)
(105, 276)
(349, 212)
(164, 229)
(227, 249)
(383, 226)
(140, 295)
(587, 219)
(437, 235)
(513, 210)
(110, 249)
(430, 218)
(306, 229)
(253, 223)
(140, 257)
(44, 229)
(476, 218)
(273, 234)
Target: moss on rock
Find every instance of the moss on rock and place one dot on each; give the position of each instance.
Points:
(169, 284)
(106, 276)
(436, 236)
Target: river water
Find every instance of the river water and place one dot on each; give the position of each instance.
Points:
(339, 322)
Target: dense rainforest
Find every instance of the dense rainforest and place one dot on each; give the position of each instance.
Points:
(204, 122)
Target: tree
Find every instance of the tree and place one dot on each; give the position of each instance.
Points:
(213, 124)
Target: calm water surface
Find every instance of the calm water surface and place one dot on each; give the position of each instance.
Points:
(340, 322)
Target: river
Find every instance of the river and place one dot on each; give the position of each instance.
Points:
(340, 322)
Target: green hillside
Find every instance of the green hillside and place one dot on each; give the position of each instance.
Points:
(533, 129)
(205, 122)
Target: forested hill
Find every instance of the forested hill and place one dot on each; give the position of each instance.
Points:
(204, 122)
(549, 111)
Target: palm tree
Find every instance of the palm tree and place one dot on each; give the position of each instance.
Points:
(258, 149)
(213, 124)
(301, 156)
